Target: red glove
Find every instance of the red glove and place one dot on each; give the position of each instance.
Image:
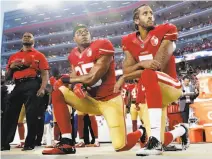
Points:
(52, 80)
(57, 84)
(79, 90)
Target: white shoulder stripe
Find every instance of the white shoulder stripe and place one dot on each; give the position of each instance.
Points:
(106, 50)
(172, 34)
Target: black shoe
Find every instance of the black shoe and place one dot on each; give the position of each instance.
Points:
(170, 148)
(37, 144)
(27, 148)
(65, 146)
(5, 147)
(143, 138)
(153, 147)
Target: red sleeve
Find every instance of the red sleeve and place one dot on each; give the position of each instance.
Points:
(105, 48)
(52, 80)
(69, 58)
(171, 32)
(43, 63)
(71, 55)
(9, 63)
(123, 43)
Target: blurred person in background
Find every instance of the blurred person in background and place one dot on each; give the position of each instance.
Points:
(187, 98)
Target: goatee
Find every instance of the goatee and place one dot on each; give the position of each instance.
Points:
(85, 45)
(150, 28)
(27, 44)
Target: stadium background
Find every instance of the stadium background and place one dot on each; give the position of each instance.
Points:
(53, 31)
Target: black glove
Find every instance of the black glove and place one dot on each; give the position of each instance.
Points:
(66, 80)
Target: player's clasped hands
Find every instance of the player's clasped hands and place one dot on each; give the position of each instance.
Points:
(151, 64)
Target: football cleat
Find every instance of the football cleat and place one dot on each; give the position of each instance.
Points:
(65, 146)
(143, 138)
(80, 145)
(184, 138)
(21, 145)
(96, 144)
(153, 147)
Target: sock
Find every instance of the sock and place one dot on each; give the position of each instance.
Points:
(178, 131)
(21, 131)
(81, 140)
(94, 126)
(80, 124)
(56, 131)
(48, 135)
(172, 135)
(22, 141)
(67, 135)
(134, 125)
(155, 122)
(132, 139)
(61, 112)
(149, 80)
(168, 138)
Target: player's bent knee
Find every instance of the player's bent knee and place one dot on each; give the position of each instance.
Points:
(118, 144)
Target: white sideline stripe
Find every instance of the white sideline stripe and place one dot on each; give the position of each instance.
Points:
(106, 50)
(169, 80)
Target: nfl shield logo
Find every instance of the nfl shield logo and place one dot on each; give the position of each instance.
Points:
(154, 40)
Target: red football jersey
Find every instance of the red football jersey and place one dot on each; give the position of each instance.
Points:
(83, 62)
(133, 91)
(124, 93)
(147, 49)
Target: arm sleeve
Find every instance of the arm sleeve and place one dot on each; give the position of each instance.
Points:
(9, 63)
(106, 48)
(123, 43)
(43, 63)
(171, 32)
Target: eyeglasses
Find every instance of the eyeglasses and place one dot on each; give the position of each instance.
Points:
(81, 32)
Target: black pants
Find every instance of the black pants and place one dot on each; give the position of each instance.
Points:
(73, 126)
(185, 113)
(23, 93)
(39, 130)
(87, 130)
(4, 95)
(41, 118)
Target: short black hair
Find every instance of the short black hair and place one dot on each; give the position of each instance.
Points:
(136, 13)
(79, 26)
